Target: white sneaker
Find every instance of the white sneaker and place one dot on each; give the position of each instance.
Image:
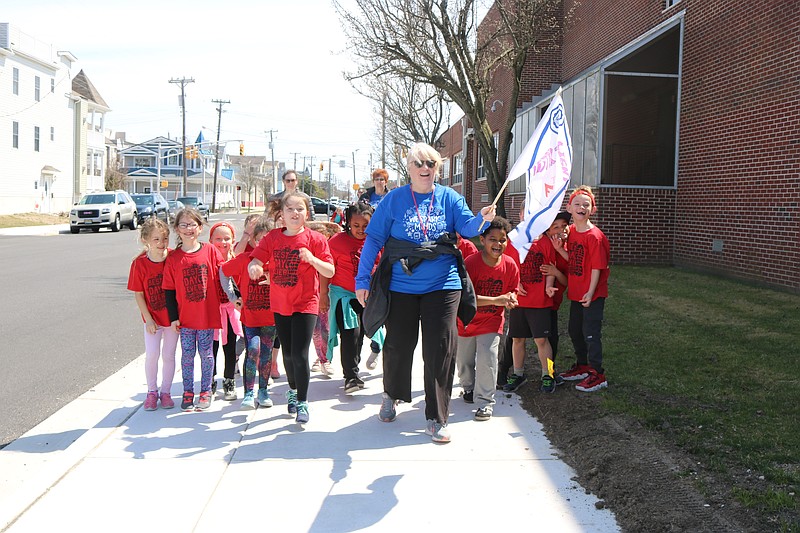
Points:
(315, 366)
(372, 360)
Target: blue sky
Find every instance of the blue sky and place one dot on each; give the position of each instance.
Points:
(278, 62)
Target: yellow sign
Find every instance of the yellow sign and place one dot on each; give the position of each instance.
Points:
(356, 186)
(164, 184)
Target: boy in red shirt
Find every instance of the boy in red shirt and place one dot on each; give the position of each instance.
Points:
(495, 277)
(588, 253)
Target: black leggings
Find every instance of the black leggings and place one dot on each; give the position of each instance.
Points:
(352, 340)
(229, 350)
(295, 333)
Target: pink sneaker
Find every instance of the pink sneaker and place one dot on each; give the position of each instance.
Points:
(151, 401)
(166, 401)
(274, 374)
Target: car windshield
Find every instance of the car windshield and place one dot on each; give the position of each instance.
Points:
(143, 199)
(189, 201)
(97, 199)
(173, 203)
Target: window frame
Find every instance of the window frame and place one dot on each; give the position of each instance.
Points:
(15, 134)
(15, 81)
(36, 137)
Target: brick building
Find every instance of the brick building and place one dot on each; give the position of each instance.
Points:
(685, 119)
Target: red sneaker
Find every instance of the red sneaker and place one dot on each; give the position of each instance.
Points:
(576, 373)
(151, 401)
(593, 382)
(166, 401)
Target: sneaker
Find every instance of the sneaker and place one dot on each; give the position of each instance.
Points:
(593, 382)
(437, 431)
(315, 366)
(576, 373)
(468, 396)
(548, 384)
(351, 386)
(249, 400)
(274, 374)
(387, 412)
(326, 368)
(360, 382)
(229, 388)
(559, 379)
(151, 401)
(187, 403)
(263, 398)
(483, 414)
(291, 401)
(204, 401)
(213, 386)
(372, 360)
(166, 401)
(514, 382)
(302, 413)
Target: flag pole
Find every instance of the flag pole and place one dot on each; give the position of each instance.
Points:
(496, 199)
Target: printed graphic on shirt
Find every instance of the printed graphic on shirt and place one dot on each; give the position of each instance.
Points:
(433, 219)
(257, 295)
(576, 254)
(155, 294)
(529, 270)
(489, 287)
(355, 256)
(285, 270)
(195, 282)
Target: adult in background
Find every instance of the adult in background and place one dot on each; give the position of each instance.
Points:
(289, 179)
(420, 278)
(376, 193)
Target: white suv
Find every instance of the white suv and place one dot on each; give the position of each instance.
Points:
(109, 209)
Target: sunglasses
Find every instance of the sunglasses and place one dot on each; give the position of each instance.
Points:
(429, 164)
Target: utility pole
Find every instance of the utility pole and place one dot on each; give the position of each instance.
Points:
(183, 83)
(311, 175)
(294, 167)
(272, 156)
(383, 131)
(353, 191)
(216, 154)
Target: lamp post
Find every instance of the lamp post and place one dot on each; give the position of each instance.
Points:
(354, 171)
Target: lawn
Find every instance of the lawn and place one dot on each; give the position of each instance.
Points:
(711, 364)
(31, 219)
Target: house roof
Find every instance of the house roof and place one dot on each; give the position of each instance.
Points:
(84, 88)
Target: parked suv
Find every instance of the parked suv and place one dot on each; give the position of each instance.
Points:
(191, 201)
(109, 209)
(151, 205)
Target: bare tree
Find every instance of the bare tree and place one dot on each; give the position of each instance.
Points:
(438, 42)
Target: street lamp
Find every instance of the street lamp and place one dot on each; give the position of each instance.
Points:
(354, 170)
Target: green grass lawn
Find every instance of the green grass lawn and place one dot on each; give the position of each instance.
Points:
(713, 365)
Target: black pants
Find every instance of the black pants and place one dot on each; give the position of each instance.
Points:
(295, 333)
(505, 356)
(351, 340)
(584, 330)
(437, 312)
(229, 350)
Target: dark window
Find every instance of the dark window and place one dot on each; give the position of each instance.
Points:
(15, 135)
(36, 138)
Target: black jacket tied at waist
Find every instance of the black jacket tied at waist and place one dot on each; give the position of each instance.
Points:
(410, 255)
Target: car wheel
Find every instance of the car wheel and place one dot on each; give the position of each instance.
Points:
(117, 225)
(134, 222)
(74, 229)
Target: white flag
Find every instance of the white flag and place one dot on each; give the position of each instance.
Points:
(546, 161)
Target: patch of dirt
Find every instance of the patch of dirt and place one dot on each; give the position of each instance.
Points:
(649, 484)
(32, 219)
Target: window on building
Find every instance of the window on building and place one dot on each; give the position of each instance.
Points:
(458, 169)
(481, 173)
(37, 88)
(52, 133)
(445, 177)
(141, 162)
(172, 158)
(641, 114)
(52, 85)
(36, 138)
(15, 134)
(97, 163)
(15, 81)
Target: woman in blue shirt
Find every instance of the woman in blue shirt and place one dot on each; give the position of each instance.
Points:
(417, 220)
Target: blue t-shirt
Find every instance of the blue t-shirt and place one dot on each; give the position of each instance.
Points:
(398, 216)
(375, 198)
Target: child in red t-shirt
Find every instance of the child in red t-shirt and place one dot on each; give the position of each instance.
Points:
(338, 294)
(257, 319)
(588, 252)
(147, 272)
(191, 285)
(495, 277)
(322, 327)
(296, 256)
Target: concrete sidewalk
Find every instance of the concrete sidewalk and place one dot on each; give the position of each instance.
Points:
(102, 464)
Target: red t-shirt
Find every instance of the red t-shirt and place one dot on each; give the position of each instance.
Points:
(195, 277)
(530, 274)
(145, 277)
(489, 281)
(346, 252)
(563, 265)
(295, 285)
(588, 251)
(256, 310)
(466, 247)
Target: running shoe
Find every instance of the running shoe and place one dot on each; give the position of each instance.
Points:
(388, 412)
(204, 401)
(151, 401)
(263, 398)
(483, 414)
(576, 372)
(249, 400)
(166, 401)
(438, 432)
(187, 403)
(548, 384)
(302, 413)
(514, 382)
(291, 401)
(593, 382)
(229, 389)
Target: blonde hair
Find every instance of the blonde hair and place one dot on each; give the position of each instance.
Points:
(421, 152)
(148, 227)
